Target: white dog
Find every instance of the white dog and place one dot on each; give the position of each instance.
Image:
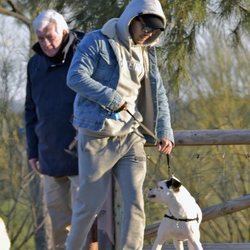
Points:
(183, 217)
(4, 238)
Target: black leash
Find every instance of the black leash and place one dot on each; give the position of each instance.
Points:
(144, 127)
(170, 173)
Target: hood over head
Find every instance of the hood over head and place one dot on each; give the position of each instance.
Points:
(137, 8)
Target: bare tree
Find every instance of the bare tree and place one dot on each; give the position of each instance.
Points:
(21, 194)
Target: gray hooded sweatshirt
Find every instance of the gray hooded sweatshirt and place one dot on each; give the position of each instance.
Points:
(133, 63)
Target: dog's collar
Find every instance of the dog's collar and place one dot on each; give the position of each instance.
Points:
(181, 219)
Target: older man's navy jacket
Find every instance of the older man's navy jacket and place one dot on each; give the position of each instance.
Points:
(49, 109)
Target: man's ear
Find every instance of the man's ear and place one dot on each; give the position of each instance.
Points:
(65, 33)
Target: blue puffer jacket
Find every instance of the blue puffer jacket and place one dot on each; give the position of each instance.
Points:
(49, 109)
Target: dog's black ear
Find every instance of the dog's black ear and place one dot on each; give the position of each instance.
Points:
(175, 182)
(169, 183)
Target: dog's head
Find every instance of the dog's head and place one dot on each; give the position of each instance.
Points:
(165, 190)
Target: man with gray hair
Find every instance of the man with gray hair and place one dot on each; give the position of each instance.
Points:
(48, 111)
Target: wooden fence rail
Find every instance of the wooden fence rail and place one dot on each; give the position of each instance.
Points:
(212, 137)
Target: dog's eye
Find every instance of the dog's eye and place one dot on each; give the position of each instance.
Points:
(161, 187)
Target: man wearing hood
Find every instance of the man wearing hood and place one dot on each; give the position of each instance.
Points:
(114, 73)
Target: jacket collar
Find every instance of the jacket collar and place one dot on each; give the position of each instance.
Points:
(61, 55)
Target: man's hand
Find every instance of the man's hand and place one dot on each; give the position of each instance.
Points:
(34, 163)
(122, 107)
(165, 146)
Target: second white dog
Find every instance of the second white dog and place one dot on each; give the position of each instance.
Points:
(183, 217)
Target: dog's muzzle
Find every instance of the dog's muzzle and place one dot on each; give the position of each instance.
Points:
(150, 196)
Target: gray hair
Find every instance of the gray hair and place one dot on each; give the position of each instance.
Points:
(50, 16)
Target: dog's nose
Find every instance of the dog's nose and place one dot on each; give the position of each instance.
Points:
(151, 196)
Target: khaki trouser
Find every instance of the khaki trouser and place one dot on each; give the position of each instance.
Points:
(60, 194)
